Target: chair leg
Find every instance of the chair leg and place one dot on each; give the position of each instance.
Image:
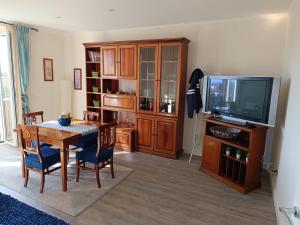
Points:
(97, 176)
(42, 182)
(26, 177)
(112, 168)
(77, 169)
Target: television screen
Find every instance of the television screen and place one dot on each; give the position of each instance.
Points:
(246, 98)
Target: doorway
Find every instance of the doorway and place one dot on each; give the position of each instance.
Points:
(7, 96)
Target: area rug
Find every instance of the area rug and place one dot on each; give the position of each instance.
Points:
(14, 212)
(80, 195)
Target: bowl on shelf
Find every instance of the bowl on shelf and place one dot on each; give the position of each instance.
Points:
(95, 74)
(96, 103)
(64, 121)
(225, 132)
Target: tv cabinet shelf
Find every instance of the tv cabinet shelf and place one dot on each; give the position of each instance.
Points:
(237, 173)
(229, 143)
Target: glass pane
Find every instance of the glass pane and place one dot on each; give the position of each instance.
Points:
(147, 78)
(6, 91)
(169, 76)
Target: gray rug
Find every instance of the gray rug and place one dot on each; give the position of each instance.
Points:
(79, 196)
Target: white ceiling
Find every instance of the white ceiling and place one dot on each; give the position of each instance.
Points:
(87, 15)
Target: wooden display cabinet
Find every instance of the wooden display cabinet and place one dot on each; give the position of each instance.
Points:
(237, 173)
(154, 72)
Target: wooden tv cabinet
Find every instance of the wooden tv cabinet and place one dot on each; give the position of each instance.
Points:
(237, 173)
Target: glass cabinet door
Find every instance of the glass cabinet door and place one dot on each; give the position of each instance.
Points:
(147, 77)
(169, 74)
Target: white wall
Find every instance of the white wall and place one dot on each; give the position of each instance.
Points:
(45, 95)
(234, 47)
(287, 187)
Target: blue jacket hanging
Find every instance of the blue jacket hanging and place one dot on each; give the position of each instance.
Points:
(194, 100)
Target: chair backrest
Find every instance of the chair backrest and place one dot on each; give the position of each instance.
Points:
(91, 116)
(30, 135)
(106, 137)
(31, 118)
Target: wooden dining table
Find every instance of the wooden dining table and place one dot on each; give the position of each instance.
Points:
(62, 139)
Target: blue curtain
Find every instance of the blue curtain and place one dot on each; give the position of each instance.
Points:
(23, 41)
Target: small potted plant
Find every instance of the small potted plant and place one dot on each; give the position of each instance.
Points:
(95, 74)
(64, 119)
(246, 157)
(238, 154)
(96, 103)
(227, 151)
(95, 89)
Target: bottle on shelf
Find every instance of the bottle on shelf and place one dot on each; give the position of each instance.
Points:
(147, 104)
(151, 104)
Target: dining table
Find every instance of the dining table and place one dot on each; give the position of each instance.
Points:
(61, 137)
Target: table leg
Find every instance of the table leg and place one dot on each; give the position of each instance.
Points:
(64, 163)
(22, 155)
(22, 164)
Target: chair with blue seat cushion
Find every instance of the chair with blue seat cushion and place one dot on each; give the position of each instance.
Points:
(100, 154)
(36, 158)
(31, 119)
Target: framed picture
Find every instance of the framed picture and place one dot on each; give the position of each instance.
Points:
(77, 79)
(48, 69)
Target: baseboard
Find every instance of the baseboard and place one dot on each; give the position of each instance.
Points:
(279, 217)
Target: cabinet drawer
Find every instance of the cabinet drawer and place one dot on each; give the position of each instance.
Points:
(122, 102)
(124, 140)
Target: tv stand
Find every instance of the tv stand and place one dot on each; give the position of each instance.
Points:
(239, 173)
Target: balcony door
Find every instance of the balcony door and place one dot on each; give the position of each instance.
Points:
(7, 98)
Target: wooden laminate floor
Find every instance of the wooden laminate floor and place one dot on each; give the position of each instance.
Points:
(165, 191)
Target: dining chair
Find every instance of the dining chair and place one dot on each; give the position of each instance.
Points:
(100, 154)
(31, 119)
(88, 116)
(36, 158)
(91, 116)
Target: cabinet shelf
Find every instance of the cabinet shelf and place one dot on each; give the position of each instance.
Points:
(92, 62)
(170, 61)
(93, 107)
(93, 93)
(96, 78)
(243, 161)
(147, 79)
(145, 61)
(230, 143)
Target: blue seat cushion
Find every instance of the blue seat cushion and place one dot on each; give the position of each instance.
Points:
(50, 157)
(89, 155)
(42, 144)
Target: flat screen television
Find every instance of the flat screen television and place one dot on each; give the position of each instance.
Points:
(242, 99)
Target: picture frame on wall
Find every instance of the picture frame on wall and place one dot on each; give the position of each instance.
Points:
(48, 69)
(77, 79)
